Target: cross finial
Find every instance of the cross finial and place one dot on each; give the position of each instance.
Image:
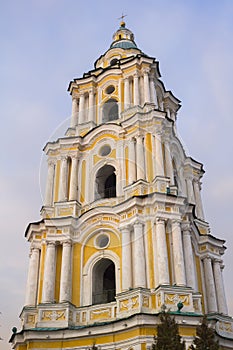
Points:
(122, 19)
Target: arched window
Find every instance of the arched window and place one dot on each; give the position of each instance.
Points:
(69, 161)
(105, 182)
(103, 282)
(110, 110)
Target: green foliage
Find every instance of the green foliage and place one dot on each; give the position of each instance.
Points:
(205, 338)
(168, 337)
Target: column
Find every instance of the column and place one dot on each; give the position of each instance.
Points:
(178, 255)
(197, 194)
(209, 285)
(159, 154)
(219, 286)
(49, 273)
(33, 274)
(74, 115)
(168, 162)
(63, 180)
(146, 86)
(126, 259)
(167, 110)
(73, 195)
(136, 90)
(127, 93)
(153, 156)
(91, 112)
(65, 282)
(153, 93)
(131, 161)
(189, 182)
(81, 108)
(139, 256)
(162, 256)
(140, 158)
(188, 257)
(50, 184)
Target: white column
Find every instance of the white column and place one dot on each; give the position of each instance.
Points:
(139, 256)
(162, 256)
(140, 158)
(136, 90)
(63, 180)
(120, 103)
(126, 259)
(159, 154)
(81, 108)
(49, 273)
(33, 274)
(168, 113)
(127, 92)
(153, 93)
(189, 182)
(146, 86)
(50, 184)
(168, 162)
(91, 112)
(131, 161)
(65, 282)
(209, 285)
(219, 286)
(74, 115)
(153, 156)
(73, 195)
(197, 194)
(178, 255)
(188, 257)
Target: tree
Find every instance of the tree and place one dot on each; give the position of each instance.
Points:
(205, 338)
(168, 337)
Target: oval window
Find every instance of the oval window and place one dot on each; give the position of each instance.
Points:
(113, 61)
(104, 150)
(110, 89)
(102, 240)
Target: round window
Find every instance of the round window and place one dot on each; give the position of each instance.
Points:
(110, 89)
(102, 240)
(104, 150)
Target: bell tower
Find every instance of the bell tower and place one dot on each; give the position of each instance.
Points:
(122, 231)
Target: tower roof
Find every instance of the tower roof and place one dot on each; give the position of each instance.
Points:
(123, 38)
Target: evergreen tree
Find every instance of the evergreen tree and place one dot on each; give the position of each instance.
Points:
(205, 338)
(168, 337)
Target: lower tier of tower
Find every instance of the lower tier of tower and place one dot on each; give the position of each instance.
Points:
(129, 322)
(135, 332)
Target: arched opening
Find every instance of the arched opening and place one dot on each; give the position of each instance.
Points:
(106, 182)
(103, 282)
(110, 110)
(69, 162)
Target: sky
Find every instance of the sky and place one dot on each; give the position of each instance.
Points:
(45, 44)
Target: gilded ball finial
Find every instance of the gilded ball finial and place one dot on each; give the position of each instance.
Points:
(122, 22)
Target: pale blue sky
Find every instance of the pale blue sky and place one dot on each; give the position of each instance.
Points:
(46, 43)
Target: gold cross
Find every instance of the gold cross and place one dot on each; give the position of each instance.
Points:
(122, 17)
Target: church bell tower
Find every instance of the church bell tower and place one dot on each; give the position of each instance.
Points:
(123, 232)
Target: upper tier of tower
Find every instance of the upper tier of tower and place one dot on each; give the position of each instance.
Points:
(123, 78)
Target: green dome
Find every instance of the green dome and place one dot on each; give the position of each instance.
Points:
(124, 44)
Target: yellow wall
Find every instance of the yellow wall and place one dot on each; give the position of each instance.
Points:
(58, 272)
(76, 274)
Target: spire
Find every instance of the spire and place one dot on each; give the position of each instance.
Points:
(122, 23)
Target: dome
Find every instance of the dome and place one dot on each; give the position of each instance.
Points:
(123, 38)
